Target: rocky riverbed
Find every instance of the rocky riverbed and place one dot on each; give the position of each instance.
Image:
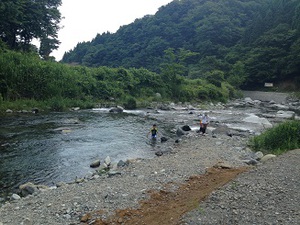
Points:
(134, 192)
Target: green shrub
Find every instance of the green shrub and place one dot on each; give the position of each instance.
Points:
(279, 139)
(130, 103)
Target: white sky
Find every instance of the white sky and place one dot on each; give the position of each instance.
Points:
(83, 19)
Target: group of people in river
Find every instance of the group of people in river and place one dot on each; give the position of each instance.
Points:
(204, 121)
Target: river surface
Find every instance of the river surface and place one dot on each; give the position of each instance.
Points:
(46, 149)
(58, 147)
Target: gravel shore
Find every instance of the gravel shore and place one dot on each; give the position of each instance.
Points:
(267, 194)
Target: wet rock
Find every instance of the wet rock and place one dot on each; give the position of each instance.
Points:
(180, 132)
(95, 164)
(280, 107)
(258, 120)
(107, 161)
(186, 128)
(159, 153)
(121, 163)
(35, 110)
(249, 101)
(117, 109)
(285, 114)
(163, 139)
(28, 189)
(164, 107)
(9, 111)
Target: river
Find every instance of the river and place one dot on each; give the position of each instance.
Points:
(54, 147)
(58, 147)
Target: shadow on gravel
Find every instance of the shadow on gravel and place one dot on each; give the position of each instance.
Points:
(166, 207)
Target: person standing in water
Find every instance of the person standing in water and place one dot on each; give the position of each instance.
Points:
(154, 132)
(204, 121)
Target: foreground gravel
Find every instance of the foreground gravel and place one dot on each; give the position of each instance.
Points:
(268, 194)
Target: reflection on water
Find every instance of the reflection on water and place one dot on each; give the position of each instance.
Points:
(46, 149)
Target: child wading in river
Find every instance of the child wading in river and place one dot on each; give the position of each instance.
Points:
(153, 132)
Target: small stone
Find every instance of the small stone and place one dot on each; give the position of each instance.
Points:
(15, 197)
(267, 157)
(107, 161)
(113, 173)
(85, 218)
(121, 163)
(27, 221)
(259, 155)
(159, 153)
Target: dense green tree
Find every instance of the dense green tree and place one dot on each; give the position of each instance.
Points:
(23, 20)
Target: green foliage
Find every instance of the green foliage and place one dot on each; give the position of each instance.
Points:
(236, 76)
(130, 103)
(23, 20)
(281, 138)
(25, 76)
(251, 42)
(215, 77)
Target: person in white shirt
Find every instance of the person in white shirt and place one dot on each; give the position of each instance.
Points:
(204, 121)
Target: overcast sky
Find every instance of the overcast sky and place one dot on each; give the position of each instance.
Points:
(83, 19)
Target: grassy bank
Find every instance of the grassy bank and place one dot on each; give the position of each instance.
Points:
(277, 140)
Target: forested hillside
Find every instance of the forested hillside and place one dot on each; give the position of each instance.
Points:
(246, 42)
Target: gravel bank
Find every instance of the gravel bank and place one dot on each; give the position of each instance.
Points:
(67, 204)
(267, 194)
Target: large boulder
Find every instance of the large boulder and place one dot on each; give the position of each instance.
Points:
(30, 189)
(258, 120)
(186, 128)
(285, 114)
(95, 164)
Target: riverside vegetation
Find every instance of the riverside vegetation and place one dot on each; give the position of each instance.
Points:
(283, 137)
(27, 81)
(188, 51)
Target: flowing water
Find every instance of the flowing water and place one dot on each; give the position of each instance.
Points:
(46, 149)
(49, 148)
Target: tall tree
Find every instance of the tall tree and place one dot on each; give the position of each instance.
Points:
(23, 20)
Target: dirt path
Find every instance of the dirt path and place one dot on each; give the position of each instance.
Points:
(167, 207)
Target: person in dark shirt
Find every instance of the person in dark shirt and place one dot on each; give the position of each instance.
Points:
(153, 131)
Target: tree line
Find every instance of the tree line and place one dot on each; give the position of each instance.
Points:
(250, 41)
(24, 76)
